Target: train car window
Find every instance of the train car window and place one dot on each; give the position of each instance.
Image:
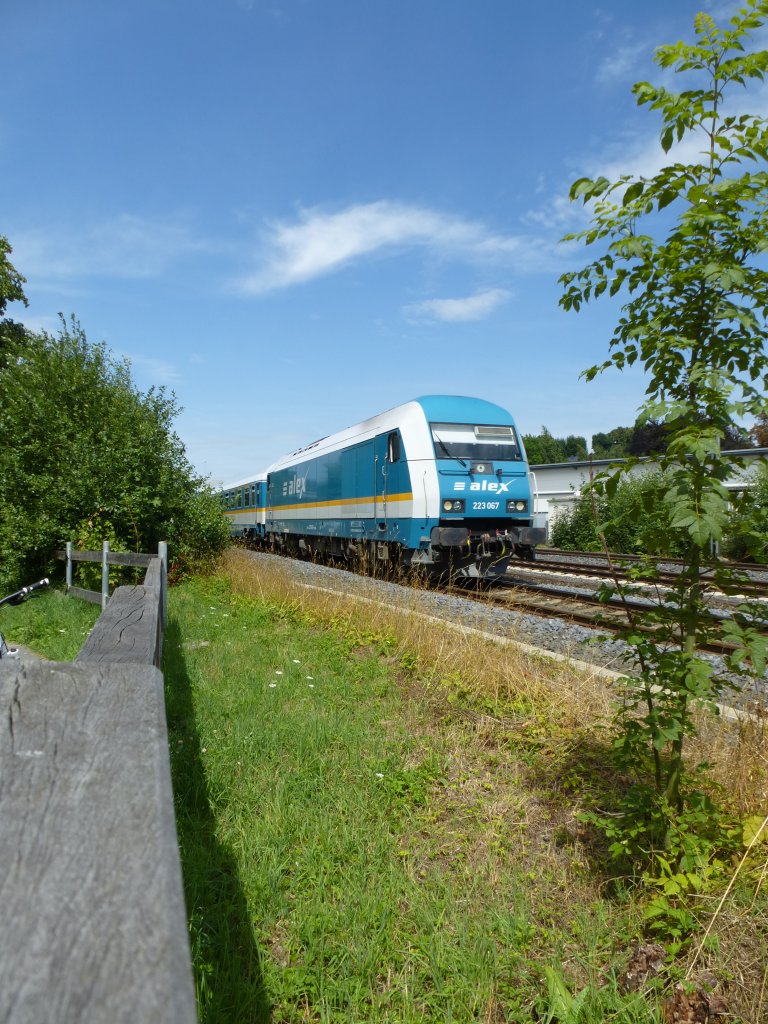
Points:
(393, 447)
(247, 497)
(477, 442)
(239, 499)
(269, 482)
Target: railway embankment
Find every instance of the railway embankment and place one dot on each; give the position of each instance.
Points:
(379, 817)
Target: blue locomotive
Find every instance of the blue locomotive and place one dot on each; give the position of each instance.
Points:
(440, 483)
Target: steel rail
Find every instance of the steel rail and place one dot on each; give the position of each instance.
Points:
(543, 553)
(554, 602)
(752, 588)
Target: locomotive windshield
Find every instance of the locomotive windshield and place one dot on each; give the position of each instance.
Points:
(476, 442)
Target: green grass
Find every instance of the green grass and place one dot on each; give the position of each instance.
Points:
(393, 839)
(51, 624)
(350, 854)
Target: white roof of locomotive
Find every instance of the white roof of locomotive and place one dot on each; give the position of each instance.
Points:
(409, 418)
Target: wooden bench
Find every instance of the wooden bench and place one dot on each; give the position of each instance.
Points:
(93, 925)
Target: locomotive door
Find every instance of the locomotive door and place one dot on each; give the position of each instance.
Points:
(386, 454)
(380, 483)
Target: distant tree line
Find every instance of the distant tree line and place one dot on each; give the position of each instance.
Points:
(86, 456)
(648, 437)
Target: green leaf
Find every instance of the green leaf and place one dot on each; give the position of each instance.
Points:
(755, 829)
(580, 187)
(633, 192)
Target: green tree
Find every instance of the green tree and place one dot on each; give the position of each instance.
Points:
(649, 437)
(543, 448)
(11, 290)
(612, 445)
(760, 430)
(11, 281)
(694, 320)
(85, 453)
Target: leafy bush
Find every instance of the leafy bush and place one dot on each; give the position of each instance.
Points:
(89, 535)
(635, 519)
(747, 532)
(196, 534)
(82, 445)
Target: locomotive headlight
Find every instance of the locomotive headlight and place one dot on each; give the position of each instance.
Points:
(453, 506)
(517, 506)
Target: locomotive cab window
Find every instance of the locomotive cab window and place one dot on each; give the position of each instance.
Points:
(393, 447)
(475, 442)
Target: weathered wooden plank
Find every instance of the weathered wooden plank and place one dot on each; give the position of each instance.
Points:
(127, 630)
(154, 573)
(85, 595)
(129, 558)
(93, 927)
(134, 558)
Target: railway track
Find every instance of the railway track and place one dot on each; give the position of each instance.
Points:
(597, 566)
(522, 591)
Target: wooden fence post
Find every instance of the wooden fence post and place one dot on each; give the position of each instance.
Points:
(162, 554)
(69, 565)
(104, 574)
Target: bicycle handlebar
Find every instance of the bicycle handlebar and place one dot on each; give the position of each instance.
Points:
(23, 594)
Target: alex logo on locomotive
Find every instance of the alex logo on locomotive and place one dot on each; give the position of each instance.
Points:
(297, 486)
(482, 485)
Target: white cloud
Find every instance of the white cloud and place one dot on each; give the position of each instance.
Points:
(155, 371)
(472, 307)
(320, 243)
(624, 62)
(125, 246)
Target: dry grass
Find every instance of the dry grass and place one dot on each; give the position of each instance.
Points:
(503, 673)
(737, 750)
(508, 678)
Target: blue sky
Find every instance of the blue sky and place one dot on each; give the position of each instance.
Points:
(298, 213)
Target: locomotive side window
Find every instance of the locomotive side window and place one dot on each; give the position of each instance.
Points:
(477, 442)
(393, 447)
